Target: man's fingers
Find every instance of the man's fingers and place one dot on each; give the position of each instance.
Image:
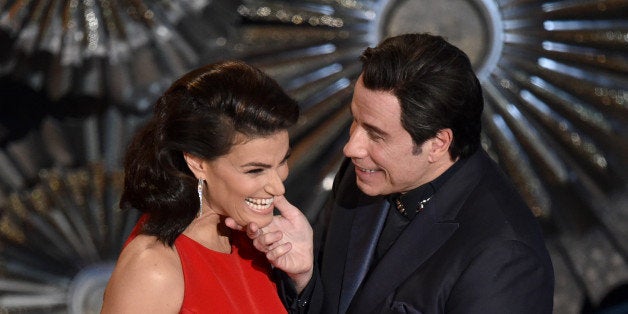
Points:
(267, 241)
(253, 231)
(254, 234)
(232, 224)
(286, 209)
(278, 251)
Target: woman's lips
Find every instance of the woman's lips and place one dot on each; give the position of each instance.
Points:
(260, 205)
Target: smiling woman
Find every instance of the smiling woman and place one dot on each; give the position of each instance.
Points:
(216, 147)
(243, 183)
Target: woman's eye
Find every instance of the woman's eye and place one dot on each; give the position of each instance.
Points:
(255, 171)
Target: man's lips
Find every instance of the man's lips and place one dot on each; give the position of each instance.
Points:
(365, 170)
(365, 173)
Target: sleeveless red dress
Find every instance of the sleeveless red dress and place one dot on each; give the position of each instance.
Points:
(216, 282)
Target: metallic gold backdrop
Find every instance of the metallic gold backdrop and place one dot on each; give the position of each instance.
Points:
(78, 76)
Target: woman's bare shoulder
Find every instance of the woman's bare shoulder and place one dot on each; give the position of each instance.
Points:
(147, 276)
(146, 254)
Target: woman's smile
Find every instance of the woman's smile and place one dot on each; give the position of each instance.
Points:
(260, 205)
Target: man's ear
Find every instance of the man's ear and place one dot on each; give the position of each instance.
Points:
(195, 164)
(440, 144)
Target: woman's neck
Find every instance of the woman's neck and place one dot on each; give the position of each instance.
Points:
(210, 231)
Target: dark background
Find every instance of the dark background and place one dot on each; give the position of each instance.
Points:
(77, 77)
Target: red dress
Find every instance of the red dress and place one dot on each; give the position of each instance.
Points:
(216, 282)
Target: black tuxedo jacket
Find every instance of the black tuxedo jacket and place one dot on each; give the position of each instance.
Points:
(475, 248)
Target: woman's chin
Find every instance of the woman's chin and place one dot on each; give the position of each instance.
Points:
(263, 221)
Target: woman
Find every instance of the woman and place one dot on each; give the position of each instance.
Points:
(216, 147)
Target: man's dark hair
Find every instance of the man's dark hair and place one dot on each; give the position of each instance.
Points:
(435, 84)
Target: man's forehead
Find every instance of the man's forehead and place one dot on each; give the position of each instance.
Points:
(376, 108)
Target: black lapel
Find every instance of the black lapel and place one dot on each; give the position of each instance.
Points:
(413, 247)
(366, 227)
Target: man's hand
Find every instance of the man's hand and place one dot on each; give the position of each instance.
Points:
(287, 241)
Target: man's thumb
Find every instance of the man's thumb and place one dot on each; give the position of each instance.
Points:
(286, 209)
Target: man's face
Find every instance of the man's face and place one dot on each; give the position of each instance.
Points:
(385, 157)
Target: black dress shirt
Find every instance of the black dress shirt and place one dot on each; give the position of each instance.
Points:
(412, 201)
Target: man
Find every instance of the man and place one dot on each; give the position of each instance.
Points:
(421, 219)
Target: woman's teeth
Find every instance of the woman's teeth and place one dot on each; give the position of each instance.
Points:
(367, 170)
(259, 203)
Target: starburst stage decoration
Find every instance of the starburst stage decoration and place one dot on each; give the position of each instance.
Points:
(80, 75)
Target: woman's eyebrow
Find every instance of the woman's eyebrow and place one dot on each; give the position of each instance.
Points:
(265, 165)
(256, 164)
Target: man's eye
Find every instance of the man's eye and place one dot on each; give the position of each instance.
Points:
(374, 136)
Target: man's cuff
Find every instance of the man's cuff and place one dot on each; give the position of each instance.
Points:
(294, 303)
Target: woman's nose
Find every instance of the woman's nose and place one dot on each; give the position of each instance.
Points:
(275, 185)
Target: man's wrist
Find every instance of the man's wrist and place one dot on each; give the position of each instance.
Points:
(300, 281)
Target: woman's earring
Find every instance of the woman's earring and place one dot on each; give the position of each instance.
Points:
(199, 188)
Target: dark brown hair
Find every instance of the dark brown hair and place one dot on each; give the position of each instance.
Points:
(201, 114)
(435, 84)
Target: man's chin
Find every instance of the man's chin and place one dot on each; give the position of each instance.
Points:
(368, 189)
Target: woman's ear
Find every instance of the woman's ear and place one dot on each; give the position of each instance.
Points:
(195, 164)
(440, 144)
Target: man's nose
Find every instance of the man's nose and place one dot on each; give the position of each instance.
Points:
(355, 146)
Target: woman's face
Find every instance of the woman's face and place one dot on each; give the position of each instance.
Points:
(243, 183)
